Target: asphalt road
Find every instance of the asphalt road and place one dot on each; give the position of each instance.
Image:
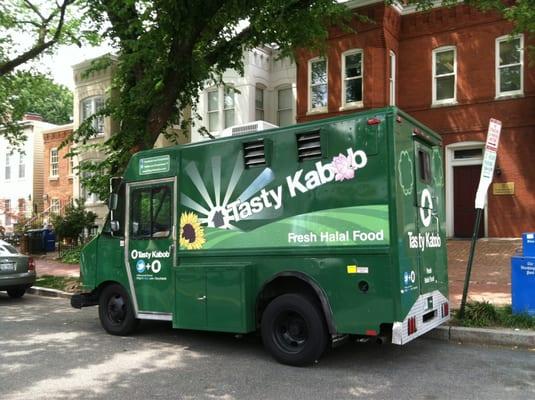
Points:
(51, 351)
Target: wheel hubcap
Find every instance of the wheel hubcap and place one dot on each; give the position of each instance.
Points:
(116, 308)
(290, 332)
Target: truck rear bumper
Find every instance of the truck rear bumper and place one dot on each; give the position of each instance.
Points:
(429, 311)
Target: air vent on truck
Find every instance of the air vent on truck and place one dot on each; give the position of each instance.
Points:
(308, 145)
(254, 153)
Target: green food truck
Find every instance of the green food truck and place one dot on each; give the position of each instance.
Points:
(307, 233)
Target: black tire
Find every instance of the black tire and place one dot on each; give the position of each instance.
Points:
(294, 330)
(116, 311)
(17, 292)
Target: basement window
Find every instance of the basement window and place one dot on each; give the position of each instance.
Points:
(308, 146)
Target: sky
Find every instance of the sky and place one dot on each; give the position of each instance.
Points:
(60, 63)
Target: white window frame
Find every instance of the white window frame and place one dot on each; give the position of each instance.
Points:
(317, 109)
(54, 162)
(262, 109)
(71, 166)
(392, 78)
(7, 170)
(96, 123)
(279, 109)
(500, 40)
(352, 104)
(55, 206)
(454, 73)
(22, 166)
(229, 89)
(88, 197)
(216, 111)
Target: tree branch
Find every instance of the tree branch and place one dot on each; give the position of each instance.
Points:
(41, 44)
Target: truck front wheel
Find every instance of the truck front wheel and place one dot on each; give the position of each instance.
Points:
(293, 330)
(116, 312)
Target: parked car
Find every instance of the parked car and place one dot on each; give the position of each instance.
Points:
(17, 271)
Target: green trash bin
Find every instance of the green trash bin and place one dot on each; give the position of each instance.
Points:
(36, 241)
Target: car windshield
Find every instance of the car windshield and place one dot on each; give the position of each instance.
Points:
(6, 249)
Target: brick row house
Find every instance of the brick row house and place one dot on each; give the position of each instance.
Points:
(21, 174)
(452, 69)
(58, 170)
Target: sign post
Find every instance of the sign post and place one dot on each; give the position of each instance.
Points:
(487, 173)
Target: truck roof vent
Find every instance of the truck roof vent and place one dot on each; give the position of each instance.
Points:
(308, 145)
(250, 127)
(254, 153)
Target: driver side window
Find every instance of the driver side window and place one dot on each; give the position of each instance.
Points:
(151, 215)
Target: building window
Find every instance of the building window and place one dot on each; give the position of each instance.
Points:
(317, 89)
(7, 211)
(228, 106)
(54, 162)
(444, 75)
(8, 167)
(213, 110)
(91, 106)
(352, 78)
(509, 65)
(88, 197)
(22, 166)
(71, 165)
(284, 107)
(392, 79)
(259, 103)
(55, 207)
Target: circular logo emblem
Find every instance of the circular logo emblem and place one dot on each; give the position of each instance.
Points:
(140, 266)
(426, 208)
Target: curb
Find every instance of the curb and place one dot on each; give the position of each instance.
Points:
(47, 292)
(494, 337)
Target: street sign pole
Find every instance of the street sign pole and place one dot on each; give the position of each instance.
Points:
(487, 173)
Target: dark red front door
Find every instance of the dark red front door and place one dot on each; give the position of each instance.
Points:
(465, 181)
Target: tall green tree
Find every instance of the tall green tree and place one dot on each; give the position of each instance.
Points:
(168, 50)
(30, 29)
(32, 92)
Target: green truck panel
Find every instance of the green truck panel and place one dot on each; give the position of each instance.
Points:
(352, 208)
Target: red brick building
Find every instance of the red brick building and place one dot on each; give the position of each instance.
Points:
(452, 69)
(58, 173)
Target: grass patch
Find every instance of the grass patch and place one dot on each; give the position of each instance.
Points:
(482, 314)
(72, 256)
(65, 283)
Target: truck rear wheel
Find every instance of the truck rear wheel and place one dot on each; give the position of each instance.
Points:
(293, 330)
(116, 312)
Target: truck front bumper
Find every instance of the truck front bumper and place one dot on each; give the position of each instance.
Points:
(80, 300)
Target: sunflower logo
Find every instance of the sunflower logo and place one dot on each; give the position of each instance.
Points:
(191, 231)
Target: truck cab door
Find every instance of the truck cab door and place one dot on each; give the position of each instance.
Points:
(429, 215)
(150, 248)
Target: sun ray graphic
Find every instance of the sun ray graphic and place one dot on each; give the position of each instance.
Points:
(215, 214)
(191, 232)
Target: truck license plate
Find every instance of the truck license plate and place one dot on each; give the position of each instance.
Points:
(7, 267)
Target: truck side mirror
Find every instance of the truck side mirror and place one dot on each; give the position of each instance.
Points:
(115, 226)
(113, 201)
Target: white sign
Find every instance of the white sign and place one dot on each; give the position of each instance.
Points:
(489, 161)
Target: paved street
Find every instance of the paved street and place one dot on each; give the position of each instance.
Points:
(49, 350)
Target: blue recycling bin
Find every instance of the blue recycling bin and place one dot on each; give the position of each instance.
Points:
(50, 240)
(528, 244)
(523, 277)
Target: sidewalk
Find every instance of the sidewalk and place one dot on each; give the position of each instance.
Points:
(490, 280)
(491, 271)
(48, 265)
